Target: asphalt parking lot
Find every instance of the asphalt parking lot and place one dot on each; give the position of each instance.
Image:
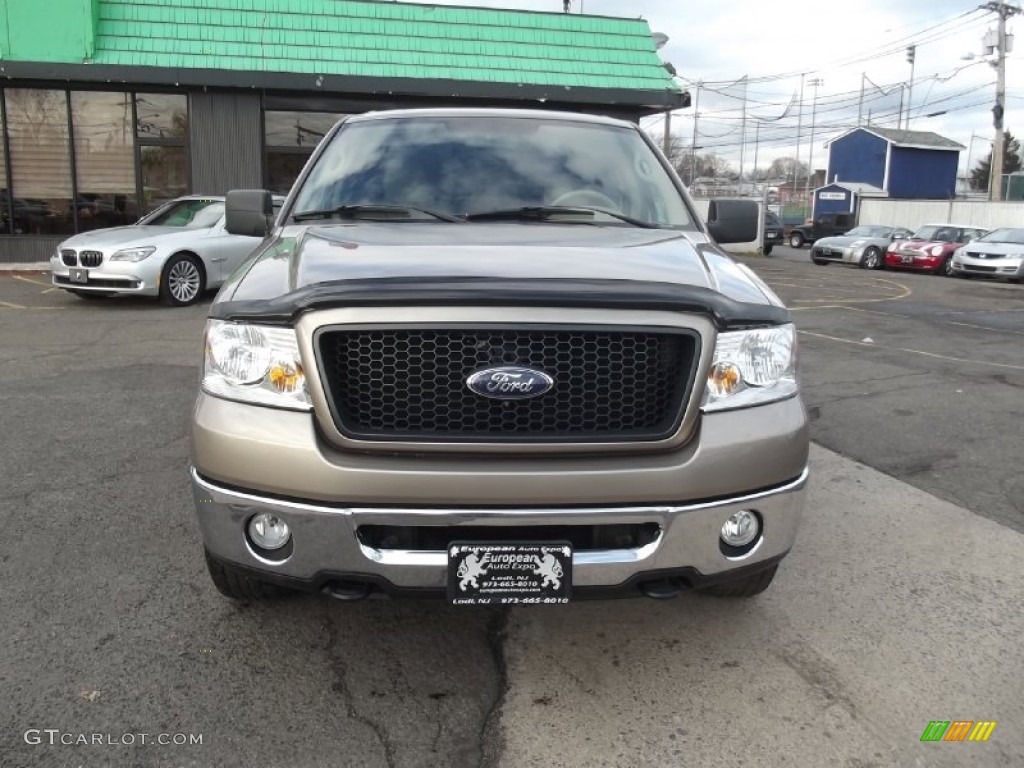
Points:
(900, 604)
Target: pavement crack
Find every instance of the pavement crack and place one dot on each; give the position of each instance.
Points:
(340, 670)
(490, 739)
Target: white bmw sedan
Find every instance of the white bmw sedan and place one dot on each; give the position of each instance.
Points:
(177, 253)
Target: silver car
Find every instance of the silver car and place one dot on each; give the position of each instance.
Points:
(177, 252)
(1000, 253)
(864, 246)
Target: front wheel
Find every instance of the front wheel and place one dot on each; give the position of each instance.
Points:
(748, 587)
(182, 281)
(767, 250)
(796, 240)
(946, 268)
(872, 259)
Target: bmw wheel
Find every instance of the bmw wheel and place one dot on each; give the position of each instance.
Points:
(183, 281)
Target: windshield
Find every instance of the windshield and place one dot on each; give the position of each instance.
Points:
(474, 164)
(869, 232)
(188, 214)
(1014, 236)
(937, 233)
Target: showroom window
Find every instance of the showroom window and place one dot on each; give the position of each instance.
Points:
(290, 138)
(161, 126)
(129, 155)
(37, 139)
(104, 160)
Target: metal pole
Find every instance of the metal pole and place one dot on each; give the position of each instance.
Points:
(667, 138)
(693, 143)
(799, 128)
(810, 154)
(860, 101)
(757, 139)
(911, 56)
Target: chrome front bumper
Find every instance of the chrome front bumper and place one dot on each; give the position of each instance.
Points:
(327, 546)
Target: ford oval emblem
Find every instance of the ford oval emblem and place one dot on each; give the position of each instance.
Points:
(509, 383)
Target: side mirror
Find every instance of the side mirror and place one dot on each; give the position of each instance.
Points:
(248, 212)
(733, 221)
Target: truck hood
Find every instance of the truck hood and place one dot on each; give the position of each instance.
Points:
(307, 266)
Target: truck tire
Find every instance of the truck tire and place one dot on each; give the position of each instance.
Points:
(237, 585)
(748, 587)
(796, 240)
(767, 250)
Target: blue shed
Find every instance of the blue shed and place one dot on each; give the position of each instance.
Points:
(918, 165)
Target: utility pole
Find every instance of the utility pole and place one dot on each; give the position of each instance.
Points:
(815, 83)
(967, 175)
(1004, 11)
(693, 142)
(799, 127)
(757, 141)
(911, 55)
(743, 129)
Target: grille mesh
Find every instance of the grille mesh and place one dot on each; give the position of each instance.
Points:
(410, 383)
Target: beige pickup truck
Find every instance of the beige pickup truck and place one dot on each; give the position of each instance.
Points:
(494, 357)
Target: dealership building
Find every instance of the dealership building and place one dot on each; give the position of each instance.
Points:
(111, 107)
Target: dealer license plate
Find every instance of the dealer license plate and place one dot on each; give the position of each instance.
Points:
(509, 573)
(79, 275)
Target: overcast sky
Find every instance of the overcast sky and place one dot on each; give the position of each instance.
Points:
(718, 43)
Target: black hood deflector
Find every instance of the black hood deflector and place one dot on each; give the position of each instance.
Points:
(726, 313)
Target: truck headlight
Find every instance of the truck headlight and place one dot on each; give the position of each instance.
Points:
(751, 367)
(254, 364)
(134, 254)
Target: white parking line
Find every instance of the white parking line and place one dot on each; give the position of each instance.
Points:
(875, 345)
(936, 320)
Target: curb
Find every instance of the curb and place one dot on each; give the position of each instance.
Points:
(28, 269)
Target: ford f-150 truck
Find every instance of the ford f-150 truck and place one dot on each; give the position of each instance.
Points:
(494, 356)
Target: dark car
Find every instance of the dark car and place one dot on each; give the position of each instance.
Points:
(826, 225)
(772, 232)
(495, 356)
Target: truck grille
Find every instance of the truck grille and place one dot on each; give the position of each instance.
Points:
(410, 384)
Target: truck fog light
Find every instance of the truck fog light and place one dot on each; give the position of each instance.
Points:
(268, 531)
(741, 529)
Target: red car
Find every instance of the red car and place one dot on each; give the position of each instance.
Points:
(930, 248)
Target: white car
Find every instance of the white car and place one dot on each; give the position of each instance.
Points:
(1000, 253)
(177, 252)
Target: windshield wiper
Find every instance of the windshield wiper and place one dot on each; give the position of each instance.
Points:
(545, 212)
(369, 211)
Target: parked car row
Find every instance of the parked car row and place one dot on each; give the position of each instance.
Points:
(955, 250)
